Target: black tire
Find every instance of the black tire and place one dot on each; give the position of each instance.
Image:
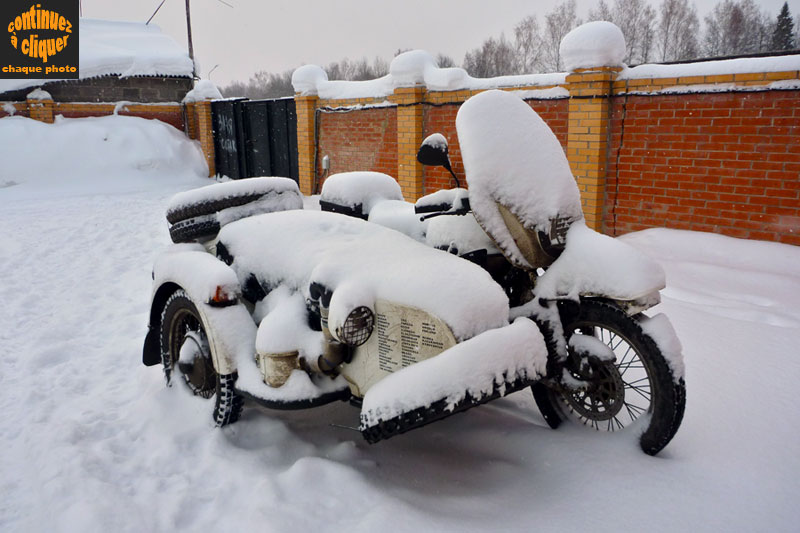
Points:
(613, 399)
(195, 229)
(181, 323)
(212, 206)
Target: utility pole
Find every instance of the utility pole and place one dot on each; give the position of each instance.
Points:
(189, 34)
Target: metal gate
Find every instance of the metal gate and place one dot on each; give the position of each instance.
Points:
(255, 137)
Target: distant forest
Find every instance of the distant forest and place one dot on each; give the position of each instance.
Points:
(670, 31)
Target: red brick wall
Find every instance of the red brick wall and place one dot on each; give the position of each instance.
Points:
(722, 162)
(442, 119)
(363, 139)
(21, 110)
(172, 115)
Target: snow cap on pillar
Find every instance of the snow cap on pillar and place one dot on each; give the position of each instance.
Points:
(408, 69)
(305, 79)
(594, 44)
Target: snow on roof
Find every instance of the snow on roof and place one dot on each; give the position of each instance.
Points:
(594, 44)
(123, 49)
(408, 69)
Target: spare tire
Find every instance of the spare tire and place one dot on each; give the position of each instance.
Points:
(218, 196)
(202, 228)
(198, 214)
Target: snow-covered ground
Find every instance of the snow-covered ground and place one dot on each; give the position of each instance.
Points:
(91, 440)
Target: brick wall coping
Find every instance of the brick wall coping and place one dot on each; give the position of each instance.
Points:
(755, 81)
(107, 106)
(442, 97)
(332, 107)
(741, 65)
(354, 103)
(382, 88)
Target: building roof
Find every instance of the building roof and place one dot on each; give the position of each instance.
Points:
(123, 49)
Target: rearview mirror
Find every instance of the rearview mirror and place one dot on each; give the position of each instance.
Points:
(433, 151)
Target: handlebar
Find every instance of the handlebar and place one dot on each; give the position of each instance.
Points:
(458, 212)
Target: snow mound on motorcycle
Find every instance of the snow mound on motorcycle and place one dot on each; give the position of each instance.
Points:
(399, 215)
(512, 158)
(364, 260)
(364, 189)
(596, 264)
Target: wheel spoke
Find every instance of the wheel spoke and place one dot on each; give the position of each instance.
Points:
(622, 364)
(644, 392)
(634, 410)
(614, 348)
(632, 383)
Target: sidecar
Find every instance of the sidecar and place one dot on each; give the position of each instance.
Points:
(294, 308)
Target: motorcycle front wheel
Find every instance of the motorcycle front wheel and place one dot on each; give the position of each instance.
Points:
(638, 384)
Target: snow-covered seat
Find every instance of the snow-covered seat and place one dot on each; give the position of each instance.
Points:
(356, 193)
(522, 191)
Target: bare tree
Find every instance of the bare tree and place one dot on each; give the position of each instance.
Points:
(736, 27)
(262, 85)
(444, 61)
(636, 19)
(528, 45)
(558, 23)
(265, 84)
(495, 57)
(677, 30)
(797, 37)
(765, 29)
(601, 12)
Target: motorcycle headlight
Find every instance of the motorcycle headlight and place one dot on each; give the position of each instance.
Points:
(357, 327)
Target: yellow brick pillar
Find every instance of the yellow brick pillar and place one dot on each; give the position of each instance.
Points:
(40, 107)
(587, 136)
(409, 136)
(205, 133)
(305, 108)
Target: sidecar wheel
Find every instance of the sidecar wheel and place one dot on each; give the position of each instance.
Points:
(639, 383)
(183, 333)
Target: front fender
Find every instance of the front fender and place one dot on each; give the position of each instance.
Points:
(214, 288)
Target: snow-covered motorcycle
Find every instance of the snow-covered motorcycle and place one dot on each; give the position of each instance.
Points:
(294, 308)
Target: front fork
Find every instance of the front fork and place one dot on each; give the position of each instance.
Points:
(549, 316)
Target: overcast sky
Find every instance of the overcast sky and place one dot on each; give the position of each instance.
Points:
(283, 34)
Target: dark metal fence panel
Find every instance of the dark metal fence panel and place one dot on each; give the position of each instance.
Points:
(226, 124)
(255, 137)
(280, 146)
(256, 142)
